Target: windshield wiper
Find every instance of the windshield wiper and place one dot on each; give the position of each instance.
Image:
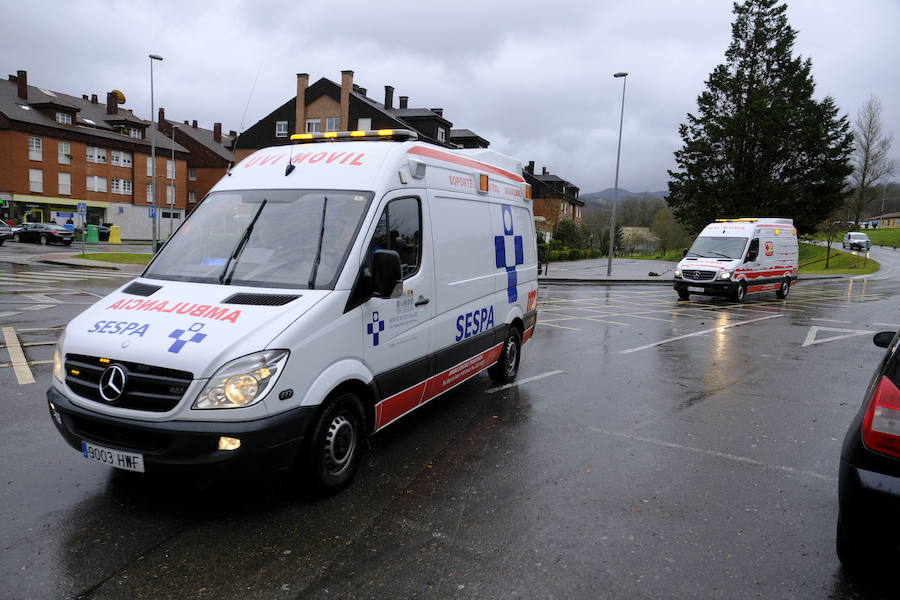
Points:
(240, 247)
(720, 254)
(315, 267)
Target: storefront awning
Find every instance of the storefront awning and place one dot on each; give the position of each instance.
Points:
(62, 201)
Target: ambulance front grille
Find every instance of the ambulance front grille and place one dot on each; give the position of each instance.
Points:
(154, 389)
(698, 275)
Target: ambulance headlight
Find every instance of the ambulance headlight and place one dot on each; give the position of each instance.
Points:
(725, 275)
(677, 272)
(59, 371)
(243, 381)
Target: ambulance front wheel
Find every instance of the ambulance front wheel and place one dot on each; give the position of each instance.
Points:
(336, 444)
(740, 292)
(506, 368)
(784, 290)
(684, 295)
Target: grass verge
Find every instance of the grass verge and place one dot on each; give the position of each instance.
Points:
(118, 257)
(812, 262)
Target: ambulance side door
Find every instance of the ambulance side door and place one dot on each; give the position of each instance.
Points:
(397, 328)
(752, 261)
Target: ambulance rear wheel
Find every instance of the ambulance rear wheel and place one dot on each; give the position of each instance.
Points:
(506, 368)
(784, 290)
(684, 295)
(740, 292)
(336, 444)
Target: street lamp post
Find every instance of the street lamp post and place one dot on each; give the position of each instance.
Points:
(153, 126)
(174, 173)
(612, 220)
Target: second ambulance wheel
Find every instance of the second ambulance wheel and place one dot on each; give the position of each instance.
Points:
(334, 451)
(740, 292)
(684, 295)
(506, 368)
(785, 289)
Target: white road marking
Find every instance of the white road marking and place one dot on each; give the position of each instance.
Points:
(521, 382)
(847, 333)
(894, 325)
(17, 358)
(696, 333)
(33, 362)
(40, 298)
(560, 326)
(829, 320)
(734, 457)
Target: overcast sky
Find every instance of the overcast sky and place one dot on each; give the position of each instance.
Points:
(533, 78)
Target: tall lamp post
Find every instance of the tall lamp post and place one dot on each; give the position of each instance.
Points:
(174, 187)
(153, 127)
(612, 220)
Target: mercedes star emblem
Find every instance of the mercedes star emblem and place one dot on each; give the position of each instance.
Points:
(696, 274)
(112, 383)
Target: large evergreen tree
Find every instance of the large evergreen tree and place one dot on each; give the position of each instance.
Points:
(760, 144)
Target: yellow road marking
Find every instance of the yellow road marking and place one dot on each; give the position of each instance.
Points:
(18, 361)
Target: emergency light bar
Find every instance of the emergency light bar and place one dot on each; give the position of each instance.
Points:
(736, 220)
(399, 135)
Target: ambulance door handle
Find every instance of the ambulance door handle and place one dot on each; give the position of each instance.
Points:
(422, 301)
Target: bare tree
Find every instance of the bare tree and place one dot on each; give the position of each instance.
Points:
(870, 154)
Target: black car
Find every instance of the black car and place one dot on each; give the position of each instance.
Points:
(5, 232)
(868, 530)
(44, 233)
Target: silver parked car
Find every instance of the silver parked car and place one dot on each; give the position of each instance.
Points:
(856, 241)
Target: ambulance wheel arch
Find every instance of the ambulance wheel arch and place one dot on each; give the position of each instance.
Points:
(344, 375)
(333, 449)
(507, 366)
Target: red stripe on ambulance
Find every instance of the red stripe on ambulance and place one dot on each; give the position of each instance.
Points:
(466, 162)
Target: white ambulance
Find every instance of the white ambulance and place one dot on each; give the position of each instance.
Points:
(317, 294)
(736, 257)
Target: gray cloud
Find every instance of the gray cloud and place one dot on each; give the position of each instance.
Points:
(534, 78)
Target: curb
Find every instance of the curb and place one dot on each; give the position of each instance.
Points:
(69, 264)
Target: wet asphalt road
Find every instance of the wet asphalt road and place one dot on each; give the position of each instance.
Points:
(701, 467)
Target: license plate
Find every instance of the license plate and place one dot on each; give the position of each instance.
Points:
(695, 289)
(128, 461)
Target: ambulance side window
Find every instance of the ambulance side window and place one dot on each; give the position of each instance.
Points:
(753, 250)
(400, 229)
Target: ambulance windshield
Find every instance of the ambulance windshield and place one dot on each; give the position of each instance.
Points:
(264, 238)
(718, 247)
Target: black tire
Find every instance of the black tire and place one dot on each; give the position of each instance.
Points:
(683, 295)
(860, 554)
(44, 240)
(68, 243)
(16, 237)
(507, 366)
(785, 289)
(333, 454)
(740, 294)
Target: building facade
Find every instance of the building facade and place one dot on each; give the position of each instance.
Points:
(555, 200)
(60, 150)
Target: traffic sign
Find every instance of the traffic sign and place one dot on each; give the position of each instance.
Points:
(82, 208)
(152, 214)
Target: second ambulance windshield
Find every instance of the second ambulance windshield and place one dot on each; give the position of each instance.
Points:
(264, 238)
(718, 247)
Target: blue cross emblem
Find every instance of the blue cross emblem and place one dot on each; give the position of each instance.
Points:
(500, 253)
(180, 343)
(375, 327)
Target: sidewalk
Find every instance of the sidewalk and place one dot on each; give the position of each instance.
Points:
(631, 271)
(68, 259)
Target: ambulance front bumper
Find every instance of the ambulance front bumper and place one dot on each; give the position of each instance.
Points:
(269, 444)
(711, 288)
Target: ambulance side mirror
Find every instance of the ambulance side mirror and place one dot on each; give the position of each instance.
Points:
(751, 256)
(385, 272)
(883, 339)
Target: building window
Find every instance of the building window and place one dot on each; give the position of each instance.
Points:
(126, 187)
(35, 180)
(192, 197)
(175, 214)
(149, 192)
(96, 184)
(65, 184)
(170, 169)
(115, 186)
(312, 125)
(281, 128)
(442, 134)
(35, 148)
(192, 174)
(64, 118)
(170, 194)
(64, 151)
(333, 124)
(136, 133)
(364, 124)
(96, 155)
(149, 167)
(120, 158)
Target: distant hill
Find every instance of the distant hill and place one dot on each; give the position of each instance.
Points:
(609, 193)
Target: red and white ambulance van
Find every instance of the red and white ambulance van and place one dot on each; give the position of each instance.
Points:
(736, 257)
(317, 294)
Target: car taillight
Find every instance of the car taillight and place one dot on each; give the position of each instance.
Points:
(53, 233)
(881, 425)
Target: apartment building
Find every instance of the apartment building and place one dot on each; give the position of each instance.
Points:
(329, 106)
(209, 154)
(555, 200)
(59, 150)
